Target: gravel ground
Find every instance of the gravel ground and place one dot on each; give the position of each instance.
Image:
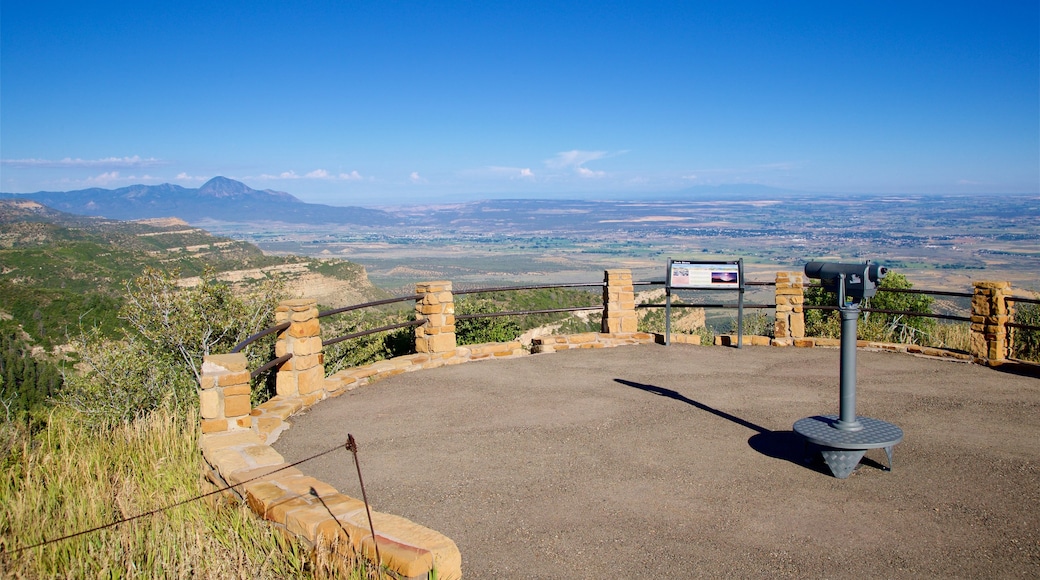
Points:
(668, 462)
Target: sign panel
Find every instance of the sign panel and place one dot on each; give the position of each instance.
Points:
(704, 275)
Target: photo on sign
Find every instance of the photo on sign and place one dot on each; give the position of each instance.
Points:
(724, 277)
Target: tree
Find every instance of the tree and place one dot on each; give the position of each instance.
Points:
(196, 321)
(157, 361)
(27, 382)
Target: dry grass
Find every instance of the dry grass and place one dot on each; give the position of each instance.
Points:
(67, 479)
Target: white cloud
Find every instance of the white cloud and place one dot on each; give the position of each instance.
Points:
(316, 174)
(416, 178)
(574, 158)
(110, 178)
(512, 172)
(105, 178)
(182, 176)
(107, 162)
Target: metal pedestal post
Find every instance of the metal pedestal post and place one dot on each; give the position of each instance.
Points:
(843, 439)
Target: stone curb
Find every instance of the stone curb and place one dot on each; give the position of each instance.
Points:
(755, 340)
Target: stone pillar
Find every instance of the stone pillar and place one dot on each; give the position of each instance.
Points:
(790, 295)
(224, 402)
(304, 374)
(990, 313)
(619, 303)
(437, 306)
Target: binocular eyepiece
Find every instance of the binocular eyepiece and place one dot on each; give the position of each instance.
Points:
(858, 280)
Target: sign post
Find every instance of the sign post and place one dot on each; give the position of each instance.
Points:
(704, 275)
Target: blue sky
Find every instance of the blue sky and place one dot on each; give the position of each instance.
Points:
(367, 103)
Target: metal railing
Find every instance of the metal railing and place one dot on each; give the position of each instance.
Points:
(373, 304)
(704, 305)
(912, 313)
(528, 287)
(1014, 299)
(420, 321)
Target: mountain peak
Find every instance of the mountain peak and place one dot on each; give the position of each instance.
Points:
(224, 188)
(221, 186)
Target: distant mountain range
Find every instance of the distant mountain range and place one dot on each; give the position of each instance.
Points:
(219, 199)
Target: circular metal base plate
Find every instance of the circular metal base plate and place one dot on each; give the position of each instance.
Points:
(875, 434)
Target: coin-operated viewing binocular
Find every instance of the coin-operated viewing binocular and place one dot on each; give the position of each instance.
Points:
(852, 282)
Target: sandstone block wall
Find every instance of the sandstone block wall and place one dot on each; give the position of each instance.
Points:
(990, 313)
(304, 373)
(437, 306)
(790, 296)
(224, 394)
(619, 303)
(554, 343)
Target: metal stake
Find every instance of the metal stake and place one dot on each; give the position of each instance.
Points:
(352, 446)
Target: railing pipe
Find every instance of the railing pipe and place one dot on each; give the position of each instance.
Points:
(685, 305)
(529, 287)
(1026, 300)
(928, 292)
(413, 298)
(271, 364)
(525, 312)
(883, 311)
(372, 331)
(910, 291)
(283, 326)
(249, 340)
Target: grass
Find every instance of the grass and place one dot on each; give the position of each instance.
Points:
(66, 479)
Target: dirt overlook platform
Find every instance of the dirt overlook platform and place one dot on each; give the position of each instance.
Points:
(665, 462)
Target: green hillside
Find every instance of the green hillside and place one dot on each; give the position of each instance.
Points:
(60, 272)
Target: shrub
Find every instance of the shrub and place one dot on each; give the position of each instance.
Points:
(755, 324)
(481, 330)
(879, 326)
(365, 349)
(1026, 342)
(157, 362)
(900, 328)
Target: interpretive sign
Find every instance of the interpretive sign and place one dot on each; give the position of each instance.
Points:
(704, 275)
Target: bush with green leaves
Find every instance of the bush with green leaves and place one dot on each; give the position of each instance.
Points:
(755, 324)
(365, 349)
(157, 361)
(904, 328)
(484, 329)
(1026, 342)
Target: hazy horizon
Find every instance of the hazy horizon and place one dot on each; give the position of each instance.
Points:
(685, 194)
